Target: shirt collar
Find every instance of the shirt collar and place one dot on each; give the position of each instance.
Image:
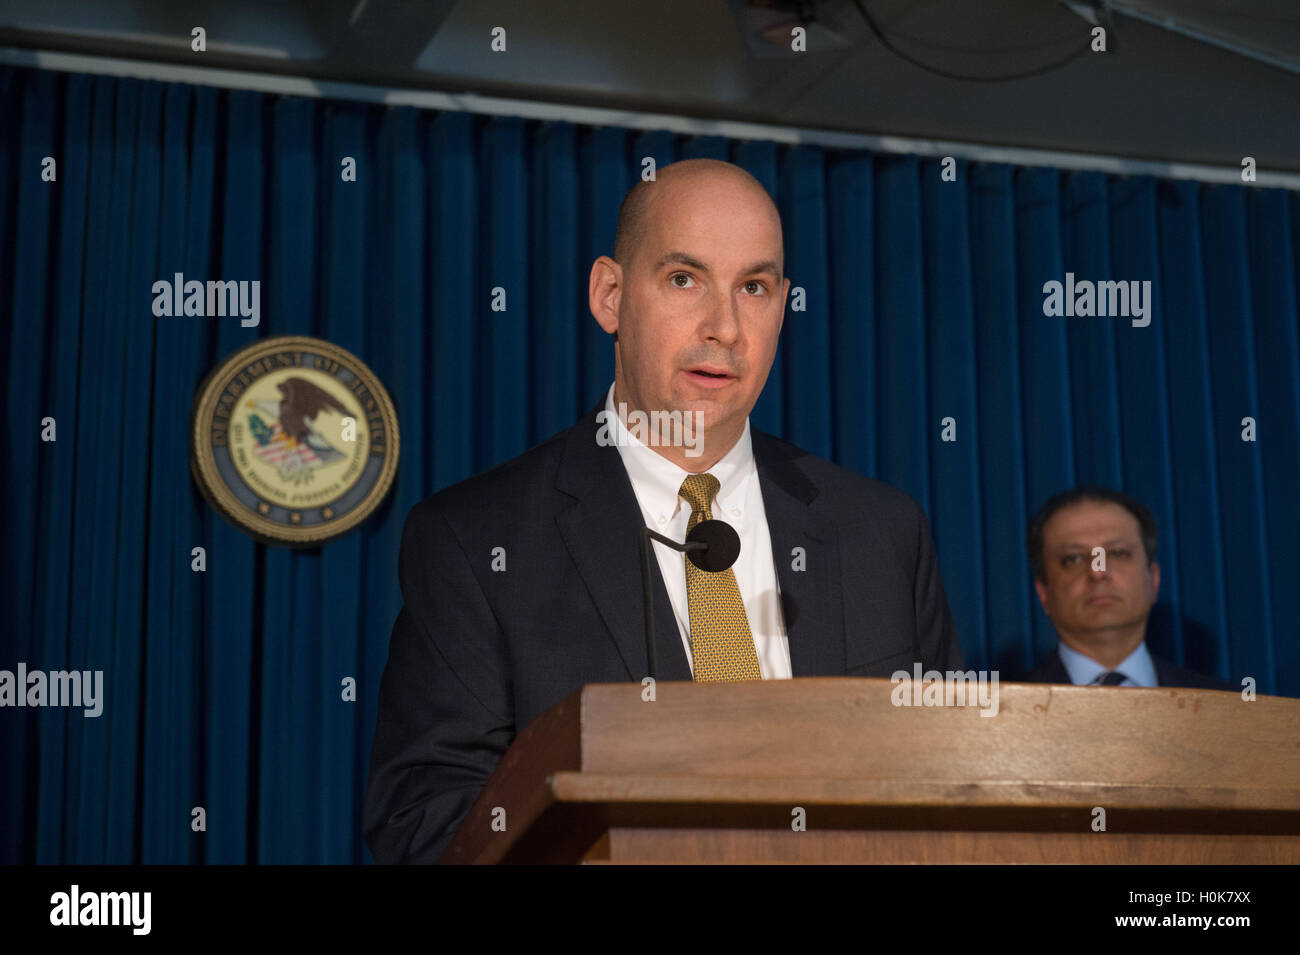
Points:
(661, 479)
(1082, 669)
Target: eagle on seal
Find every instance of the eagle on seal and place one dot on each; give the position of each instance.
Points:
(300, 402)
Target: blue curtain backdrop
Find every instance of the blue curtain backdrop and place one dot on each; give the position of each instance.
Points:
(924, 302)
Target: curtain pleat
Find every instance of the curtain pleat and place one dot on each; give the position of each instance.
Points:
(236, 566)
(1045, 360)
(459, 302)
(1004, 499)
(1236, 399)
(806, 332)
(57, 468)
(919, 353)
(852, 309)
(30, 111)
(1270, 225)
(1194, 543)
(951, 428)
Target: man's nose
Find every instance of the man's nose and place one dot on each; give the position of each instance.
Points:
(722, 321)
(1098, 567)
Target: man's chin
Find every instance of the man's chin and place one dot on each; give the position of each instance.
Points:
(1106, 616)
(710, 408)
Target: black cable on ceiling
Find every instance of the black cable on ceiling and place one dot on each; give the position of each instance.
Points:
(948, 74)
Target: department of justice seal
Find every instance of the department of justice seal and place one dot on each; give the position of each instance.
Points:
(293, 440)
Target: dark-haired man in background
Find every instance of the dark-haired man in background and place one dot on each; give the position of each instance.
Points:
(1092, 551)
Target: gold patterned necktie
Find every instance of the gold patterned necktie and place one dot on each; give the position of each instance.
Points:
(721, 644)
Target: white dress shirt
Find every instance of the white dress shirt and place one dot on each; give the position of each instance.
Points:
(739, 502)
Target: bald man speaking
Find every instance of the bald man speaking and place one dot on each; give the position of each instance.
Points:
(523, 584)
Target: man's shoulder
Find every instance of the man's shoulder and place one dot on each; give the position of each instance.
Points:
(1171, 674)
(515, 484)
(1049, 669)
(851, 493)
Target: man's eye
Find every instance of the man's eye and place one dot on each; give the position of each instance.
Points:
(1120, 553)
(679, 275)
(1070, 559)
(758, 285)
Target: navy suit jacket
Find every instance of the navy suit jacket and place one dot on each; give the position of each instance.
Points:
(1052, 670)
(477, 653)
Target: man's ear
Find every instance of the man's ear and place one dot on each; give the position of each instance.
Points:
(1041, 589)
(1155, 581)
(785, 298)
(605, 292)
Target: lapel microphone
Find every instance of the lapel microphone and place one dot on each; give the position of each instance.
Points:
(711, 545)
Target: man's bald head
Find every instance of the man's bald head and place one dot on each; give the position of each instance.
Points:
(695, 298)
(643, 199)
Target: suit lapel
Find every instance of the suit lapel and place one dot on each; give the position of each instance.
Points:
(811, 598)
(1164, 670)
(600, 530)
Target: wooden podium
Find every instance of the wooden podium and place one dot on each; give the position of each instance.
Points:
(726, 772)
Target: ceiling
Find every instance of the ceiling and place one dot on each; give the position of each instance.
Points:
(1193, 81)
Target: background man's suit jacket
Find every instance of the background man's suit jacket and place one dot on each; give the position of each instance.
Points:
(476, 654)
(1052, 670)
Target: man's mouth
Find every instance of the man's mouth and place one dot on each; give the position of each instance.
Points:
(709, 376)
